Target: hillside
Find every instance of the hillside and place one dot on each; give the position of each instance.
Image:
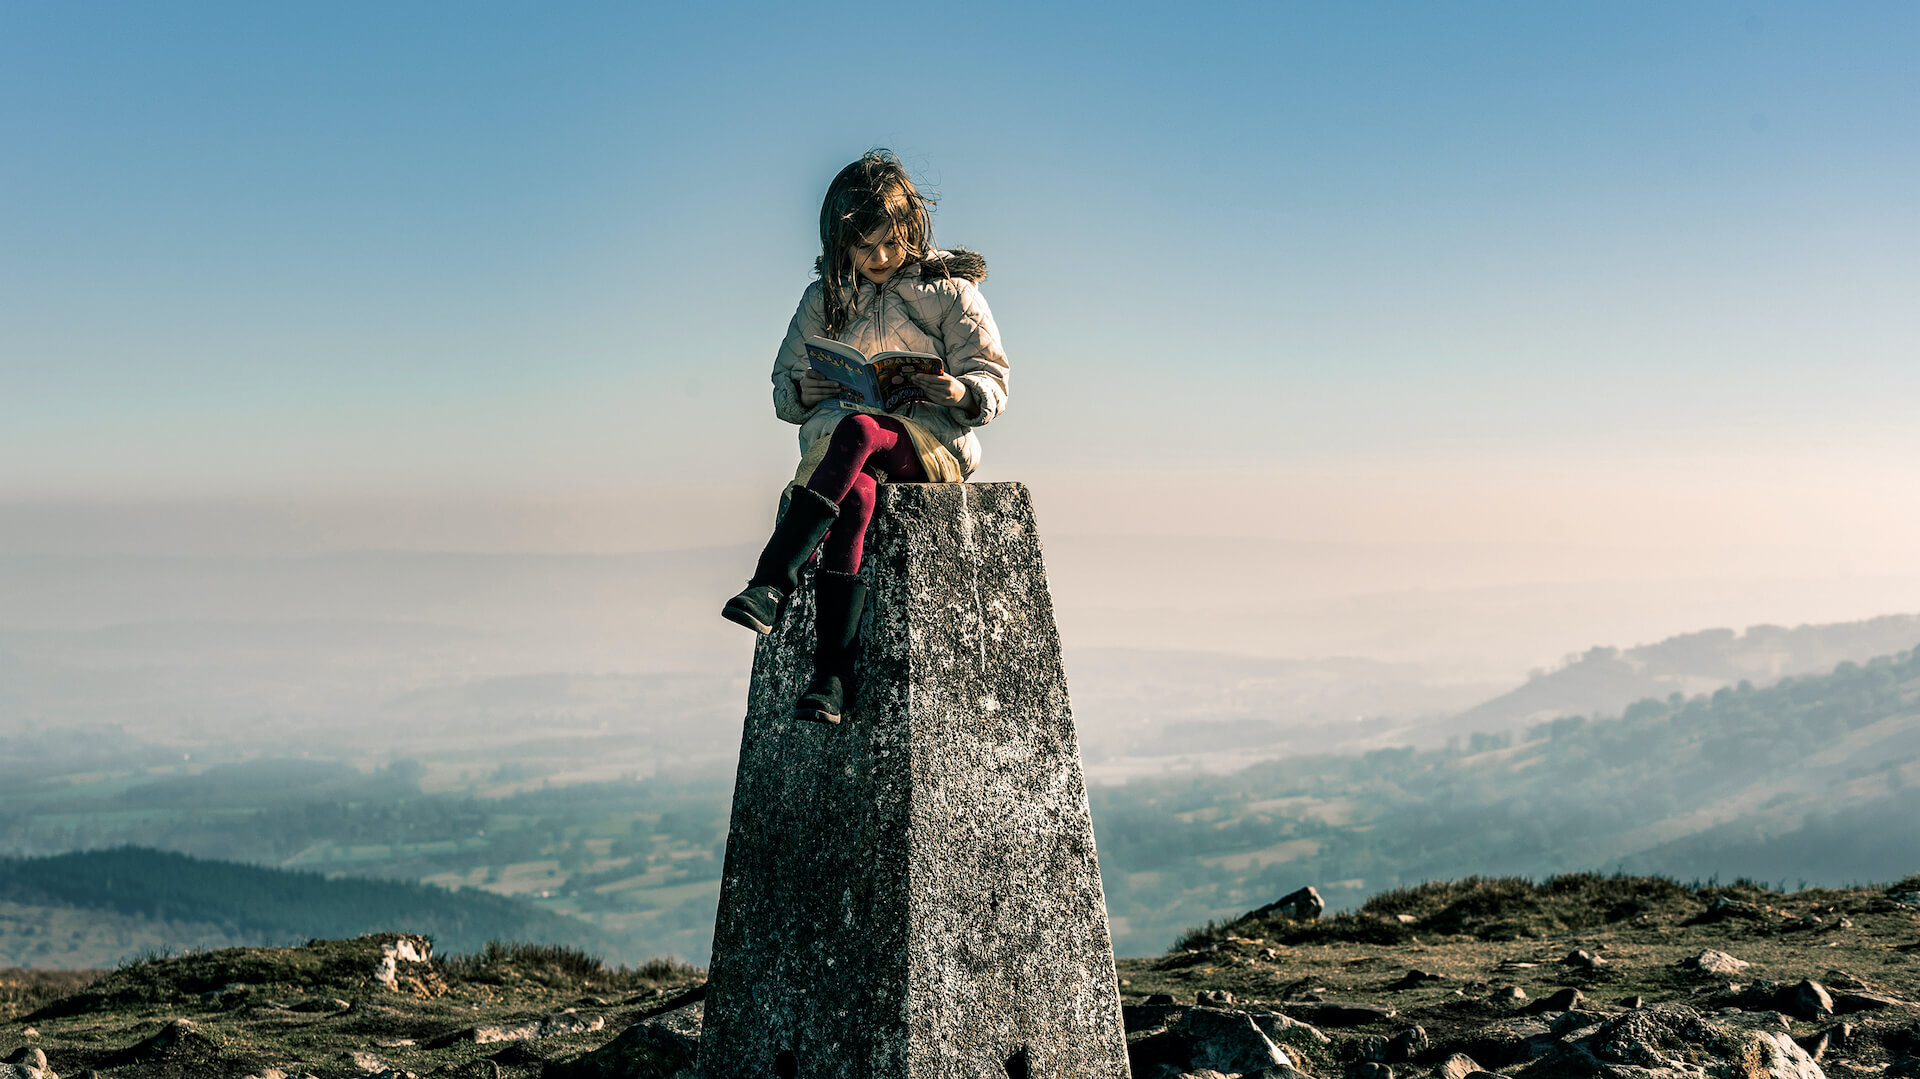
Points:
(1603, 680)
(1746, 780)
(93, 908)
(1573, 977)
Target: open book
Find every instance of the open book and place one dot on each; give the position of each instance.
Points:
(883, 381)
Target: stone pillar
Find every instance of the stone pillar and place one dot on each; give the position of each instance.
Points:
(913, 893)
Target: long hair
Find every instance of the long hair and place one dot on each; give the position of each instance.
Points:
(869, 194)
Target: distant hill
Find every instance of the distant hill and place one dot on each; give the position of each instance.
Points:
(1603, 681)
(68, 909)
(1814, 778)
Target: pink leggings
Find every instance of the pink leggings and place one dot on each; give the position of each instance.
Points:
(860, 440)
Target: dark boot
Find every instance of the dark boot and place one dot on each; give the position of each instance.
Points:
(842, 600)
(795, 536)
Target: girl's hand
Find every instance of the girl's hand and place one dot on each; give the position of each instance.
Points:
(943, 388)
(814, 388)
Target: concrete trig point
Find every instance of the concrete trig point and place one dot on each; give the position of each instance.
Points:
(913, 893)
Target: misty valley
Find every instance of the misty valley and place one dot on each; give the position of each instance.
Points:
(599, 803)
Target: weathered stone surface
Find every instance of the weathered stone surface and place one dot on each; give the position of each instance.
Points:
(652, 1049)
(1408, 1044)
(1810, 1000)
(1280, 1027)
(1560, 1000)
(1457, 1066)
(1302, 905)
(1230, 1043)
(1715, 962)
(914, 892)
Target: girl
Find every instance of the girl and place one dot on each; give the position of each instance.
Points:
(882, 286)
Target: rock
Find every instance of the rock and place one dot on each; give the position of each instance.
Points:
(1408, 1044)
(1508, 993)
(1816, 1046)
(1863, 1002)
(1160, 998)
(401, 949)
(21, 1071)
(1631, 1002)
(1214, 998)
(1776, 1056)
(1284, 1027)
(1809, 1000)
(30, 1055)
(1576, 1024)
(651, 1049)
(1135, 1017)
(1368, 1069)
(1722, 907)
(1415, 977)
(1715, 962)
(1581, 959)
(1561, 1000)
(1371, 1047)
(1457, 1066)
(563, 1022)
(1229, 1042)
(1905, 1068)
(919, 881)
(1334, 1013)
(1665, 1038)
(1303, 905)
(1279, 1072)
(1651, 1037)
(320, 1004)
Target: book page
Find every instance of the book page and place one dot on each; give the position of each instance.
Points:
(831, 359)
(893, 376)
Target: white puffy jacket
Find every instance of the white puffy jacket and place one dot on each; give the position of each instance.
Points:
(932, 306)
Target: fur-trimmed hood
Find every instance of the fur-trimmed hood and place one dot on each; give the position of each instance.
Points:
(955, 262)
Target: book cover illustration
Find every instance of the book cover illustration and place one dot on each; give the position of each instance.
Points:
(883, 381)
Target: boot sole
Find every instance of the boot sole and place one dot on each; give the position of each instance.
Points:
(742, 618)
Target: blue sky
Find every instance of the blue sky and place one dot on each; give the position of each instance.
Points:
(488, 249)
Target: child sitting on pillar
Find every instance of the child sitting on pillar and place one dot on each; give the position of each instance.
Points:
(883, 286)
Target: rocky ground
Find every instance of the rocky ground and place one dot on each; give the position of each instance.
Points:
(1580, 976)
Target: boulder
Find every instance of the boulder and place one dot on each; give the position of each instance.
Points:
(1229, 1042)
(1457, 1066)
(1714, 962)
(1810, 1000)
(1302, 905)
(1561, 1000)
(1581, 959)
(650, 1049)
(1408, 1044)
(1281, 1028)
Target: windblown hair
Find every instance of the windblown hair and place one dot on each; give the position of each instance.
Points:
(872, 193)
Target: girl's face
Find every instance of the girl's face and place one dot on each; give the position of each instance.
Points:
(877, 255)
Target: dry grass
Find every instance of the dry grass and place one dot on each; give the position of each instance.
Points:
(24, 991)
(558, 966)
